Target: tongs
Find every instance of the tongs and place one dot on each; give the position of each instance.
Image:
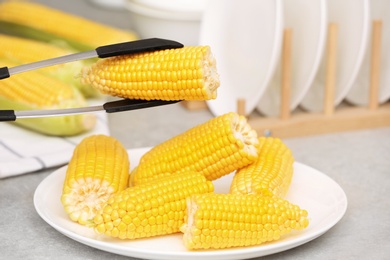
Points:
(144, 45)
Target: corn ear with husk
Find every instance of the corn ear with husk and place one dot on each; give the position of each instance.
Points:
(21, 51)
(36, 91)
(37, 21)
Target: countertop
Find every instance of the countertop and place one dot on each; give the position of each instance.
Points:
(358, 161)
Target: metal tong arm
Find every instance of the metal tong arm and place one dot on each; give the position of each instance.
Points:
(144, 45)
(109, 107)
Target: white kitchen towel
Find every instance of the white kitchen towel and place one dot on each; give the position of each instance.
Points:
(24, 151)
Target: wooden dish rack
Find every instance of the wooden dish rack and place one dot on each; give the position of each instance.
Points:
(343, 118)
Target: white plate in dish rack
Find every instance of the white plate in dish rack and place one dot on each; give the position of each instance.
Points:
(245, 40)
(308, 21)
(353, 20)
(359, 93)
(312, 190)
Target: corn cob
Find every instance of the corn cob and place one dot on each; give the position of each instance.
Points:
(215, 148)
(21, 50)
(34, 91)
(187, 73)
(232, 220)
(99, 167)
(270, 175)
(39, 22)
(152, 209)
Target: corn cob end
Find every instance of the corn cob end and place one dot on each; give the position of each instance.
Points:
(84, 199)
(98, 168)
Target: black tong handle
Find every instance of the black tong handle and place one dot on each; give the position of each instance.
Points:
(108, 107)
(133, 104)
(145, 45)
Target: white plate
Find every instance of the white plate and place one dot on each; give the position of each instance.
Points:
(245, 39)
(359, 93)
(323, 198)
(308, 21)
(353, 19)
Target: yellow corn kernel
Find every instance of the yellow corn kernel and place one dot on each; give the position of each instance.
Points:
(152, 209)
(187, 73)
(98, 168)
(37, 21)
(270, 175)
(214, 148)
(232, 220)
(34, 91)
(21, 50)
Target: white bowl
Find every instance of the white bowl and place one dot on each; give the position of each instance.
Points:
(111, 4)
(177, 20)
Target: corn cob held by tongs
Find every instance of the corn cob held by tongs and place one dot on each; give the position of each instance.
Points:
(147, 73)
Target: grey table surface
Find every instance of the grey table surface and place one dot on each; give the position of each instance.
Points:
(358, 161)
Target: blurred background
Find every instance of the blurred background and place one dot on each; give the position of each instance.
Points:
(274, 58)
(313, 72)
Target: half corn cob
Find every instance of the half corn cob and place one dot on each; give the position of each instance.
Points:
(187, 73)
(233, 220)
(215, 148)
(34, 91)
(21, 50)
(98, 168)
(154, 208)
(32, 20)
(270, 174)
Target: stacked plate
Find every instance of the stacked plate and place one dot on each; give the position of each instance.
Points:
(360, 89)
(246, 38)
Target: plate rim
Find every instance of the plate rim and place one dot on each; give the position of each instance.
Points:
(232, 253)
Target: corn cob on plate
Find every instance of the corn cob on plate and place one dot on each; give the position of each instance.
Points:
(312, 190)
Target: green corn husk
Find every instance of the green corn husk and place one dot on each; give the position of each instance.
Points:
(54, 126)
(35, 91)
(39, 22)
(21, 51)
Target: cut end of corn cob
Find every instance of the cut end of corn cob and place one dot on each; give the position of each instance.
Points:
(214, 148)
(98, 168)
(233, 220)
(187, 73)
(270, 174)
(243, 132)
(155, 208)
